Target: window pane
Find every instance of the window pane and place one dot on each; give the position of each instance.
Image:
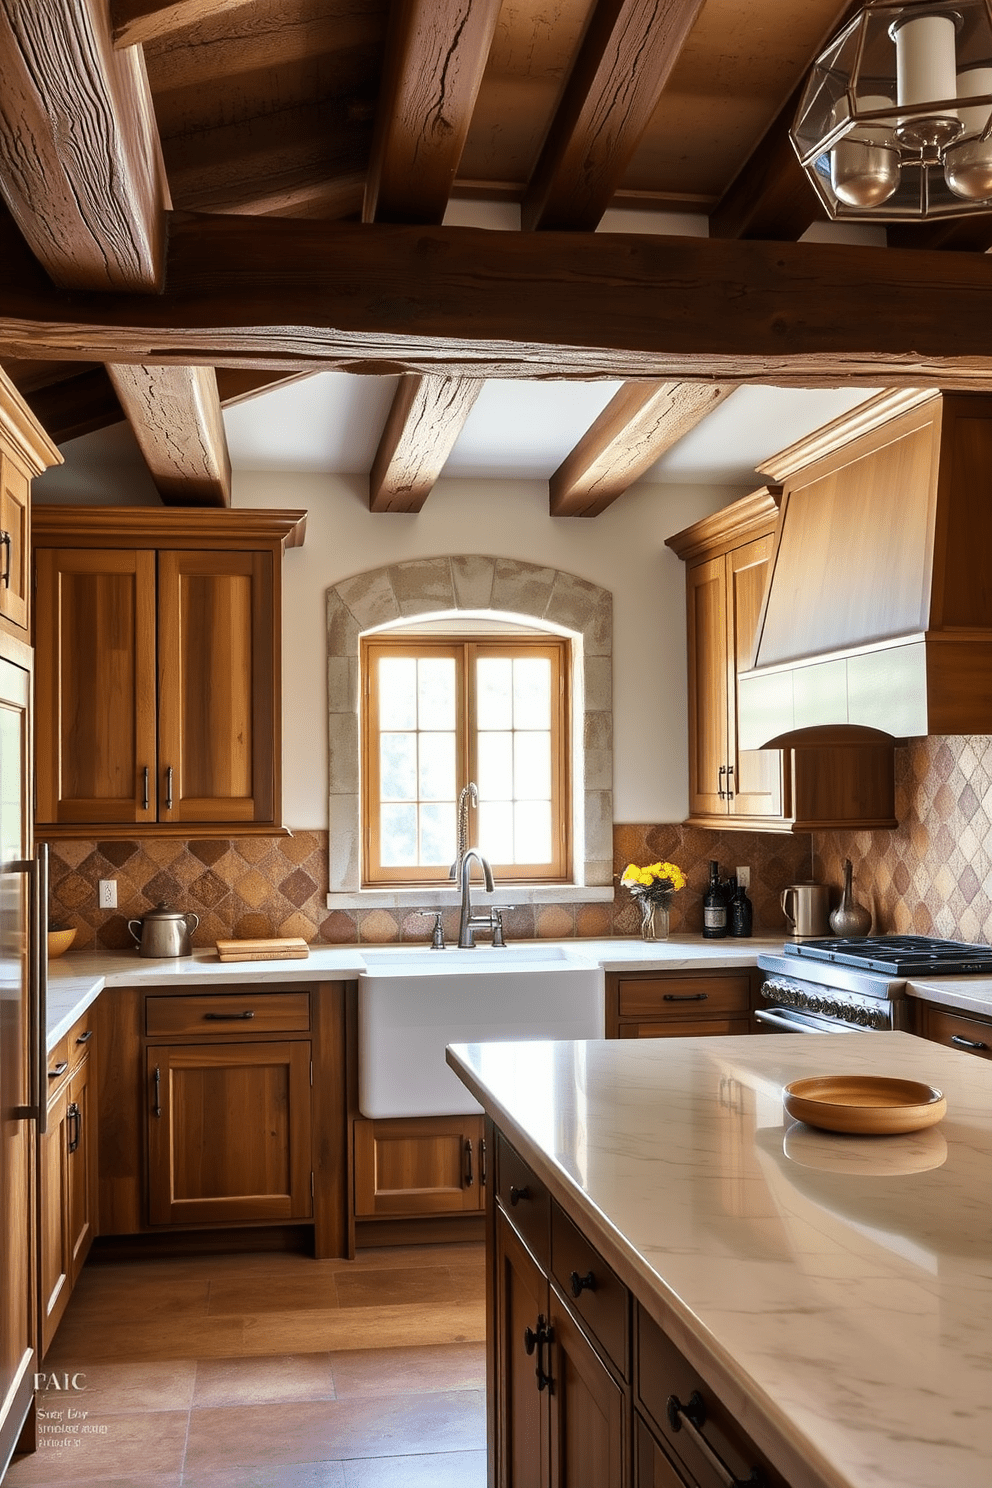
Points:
(398, 767)
(437, 834)
(397, 692)
(532, 831)
(437, 767)
(494, 683)
(398, 836)
(532, 692)
(496, 767)
(532, 766)
(436, 692)
(496, 830)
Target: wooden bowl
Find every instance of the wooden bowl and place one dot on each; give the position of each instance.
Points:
(868, 1105)
(59, 941)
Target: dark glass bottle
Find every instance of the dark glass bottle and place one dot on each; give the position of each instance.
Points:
(714, 906)
(741, 911)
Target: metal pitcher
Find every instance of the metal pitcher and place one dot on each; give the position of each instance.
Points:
(163, 932)
(805, 906)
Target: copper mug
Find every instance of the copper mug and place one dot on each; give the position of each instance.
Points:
(806, 907)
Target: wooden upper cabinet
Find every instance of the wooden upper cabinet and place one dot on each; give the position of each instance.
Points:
(25, 451)
(159, 668)
(727, 558)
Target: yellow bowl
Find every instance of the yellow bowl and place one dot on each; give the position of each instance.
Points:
(59, 941)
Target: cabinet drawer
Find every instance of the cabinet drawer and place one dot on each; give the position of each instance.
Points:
(79, 1038)
(58, 1065)
(679, 997)
(665, 1380)
(700, 1027)
(524, 1199)
(594, 1293)
(228, 1013)
(959, 1032)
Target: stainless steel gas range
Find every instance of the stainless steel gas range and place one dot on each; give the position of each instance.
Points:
(850, 985)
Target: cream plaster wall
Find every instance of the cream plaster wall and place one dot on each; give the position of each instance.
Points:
(623, 550)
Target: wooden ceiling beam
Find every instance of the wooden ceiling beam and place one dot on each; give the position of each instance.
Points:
(636, 427)
(436, 53)
(80, 164)
(626, 56)
(425, 419)
(174, 413)
(138, 21)
(771, 196)
(291, 295)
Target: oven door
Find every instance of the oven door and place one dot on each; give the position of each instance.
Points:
(790, 1020)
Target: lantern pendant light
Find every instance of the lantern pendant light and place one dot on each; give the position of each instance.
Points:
(895, 122)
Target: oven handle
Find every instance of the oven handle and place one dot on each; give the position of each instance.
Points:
(797, 1023)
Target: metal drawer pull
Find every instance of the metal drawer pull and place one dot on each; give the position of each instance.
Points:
(157, 1108)
(469, 1175)
(6, 544)
(168, 789)
(684, 996)
(963, 1043)
(84, 1038)
(229, 1017)
(720, 774)
(692, 1416)
(75, 1128)
(580, 1284)
(58, 1069)
(536, 1340)
(483, 1172)
(144, 799)
(516, 1194)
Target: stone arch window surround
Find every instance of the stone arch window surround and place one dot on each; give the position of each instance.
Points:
(505, 586)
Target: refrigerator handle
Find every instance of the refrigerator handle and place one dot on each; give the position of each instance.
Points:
(36, 869)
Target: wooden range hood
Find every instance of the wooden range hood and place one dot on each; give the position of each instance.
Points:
(877, 620)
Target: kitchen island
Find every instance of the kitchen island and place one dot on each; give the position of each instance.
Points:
(832, 1294)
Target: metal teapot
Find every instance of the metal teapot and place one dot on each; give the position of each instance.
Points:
(163, 932)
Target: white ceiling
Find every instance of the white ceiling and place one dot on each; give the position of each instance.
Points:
(332, 422)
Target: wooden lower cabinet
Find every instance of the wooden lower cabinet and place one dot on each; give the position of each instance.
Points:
(67, 1175)
(411, 1166)
(957, 1030)
(229, 1132)
(680, 1004)
(586, 1390)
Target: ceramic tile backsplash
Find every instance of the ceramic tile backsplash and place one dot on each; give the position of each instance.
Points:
(262, 886)
(932, 875)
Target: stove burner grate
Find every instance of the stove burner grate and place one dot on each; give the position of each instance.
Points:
(899, 955)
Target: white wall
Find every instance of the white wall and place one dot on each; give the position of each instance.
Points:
(623, 550)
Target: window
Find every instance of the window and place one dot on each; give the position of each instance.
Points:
(439, 712)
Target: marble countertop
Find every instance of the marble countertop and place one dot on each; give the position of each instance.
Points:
(835, 1291)
(969, 994)
(77, 979)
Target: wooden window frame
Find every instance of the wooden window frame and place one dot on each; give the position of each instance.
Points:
(466, 649)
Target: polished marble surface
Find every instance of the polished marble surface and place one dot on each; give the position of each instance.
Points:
(836, 1292)
(969, 994)
(76, 980)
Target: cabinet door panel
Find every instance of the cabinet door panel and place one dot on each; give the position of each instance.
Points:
(82, 1192)
(521, 1300)
(758, 776)
(216, 666)
(55, 1247)
(229, 1132)
(95, 640)
(709, 681)
(588, 1412)
(15, 507)
(418, 1166)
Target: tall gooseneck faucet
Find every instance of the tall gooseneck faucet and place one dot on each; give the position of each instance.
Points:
(468, 922)
(469, 793)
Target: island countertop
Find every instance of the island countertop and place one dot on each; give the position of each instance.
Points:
(835, 1291)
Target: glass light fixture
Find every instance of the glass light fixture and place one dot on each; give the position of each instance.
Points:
(895, 122)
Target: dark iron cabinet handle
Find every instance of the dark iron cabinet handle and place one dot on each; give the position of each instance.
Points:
(580, 1284)
(168, 789)
(692, 1416)
(58, 1069)
(517, 1194)
(684, 996)
(483, 1171)
(144, 799)
(536, 1339)
(157, 1108)
(84, 1038)
(469, 1175)
(75, 1127)
(228, 1017)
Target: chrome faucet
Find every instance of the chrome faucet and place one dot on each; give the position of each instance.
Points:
(469, 793)
(468, 923)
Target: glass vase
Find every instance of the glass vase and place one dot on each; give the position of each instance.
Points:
(654, 920)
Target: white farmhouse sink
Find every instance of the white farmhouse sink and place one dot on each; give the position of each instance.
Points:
(411, 1004)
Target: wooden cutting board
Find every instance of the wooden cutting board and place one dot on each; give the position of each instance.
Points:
(288, 948)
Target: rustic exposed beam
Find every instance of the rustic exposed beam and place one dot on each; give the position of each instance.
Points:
(435, 57)
(636, 427)
(239, 384)
(427, 416)
(624, 61)
(80, 165)
(290, 295)
(954, 235)
(138, 21)
(174, 413)
(771, 196)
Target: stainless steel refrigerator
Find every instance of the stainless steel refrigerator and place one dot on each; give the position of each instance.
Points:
(23, 967)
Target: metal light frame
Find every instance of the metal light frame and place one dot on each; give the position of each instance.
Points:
(850, 100)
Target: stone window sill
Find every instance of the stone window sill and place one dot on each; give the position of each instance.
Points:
(443, 898)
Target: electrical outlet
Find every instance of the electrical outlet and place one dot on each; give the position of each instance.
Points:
(108, 893)
(744, 877)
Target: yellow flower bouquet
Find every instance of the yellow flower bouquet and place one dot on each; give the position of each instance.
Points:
(653, 887)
